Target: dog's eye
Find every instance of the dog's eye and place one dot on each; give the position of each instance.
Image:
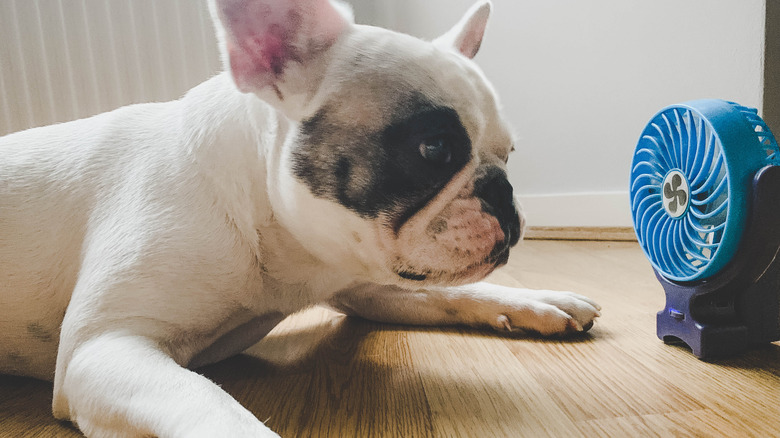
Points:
(436, 150)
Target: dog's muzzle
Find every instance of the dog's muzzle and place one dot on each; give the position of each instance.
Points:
(495, 192)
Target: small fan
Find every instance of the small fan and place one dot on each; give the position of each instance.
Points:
(705, 201)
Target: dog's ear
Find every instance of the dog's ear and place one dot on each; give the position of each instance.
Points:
(264, 41)
(466, 35)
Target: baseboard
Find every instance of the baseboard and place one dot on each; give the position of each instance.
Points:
(580, 233)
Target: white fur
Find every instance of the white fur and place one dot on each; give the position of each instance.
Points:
(133, 242)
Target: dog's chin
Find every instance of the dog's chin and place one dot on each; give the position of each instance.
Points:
(472, 273)
(456, 243)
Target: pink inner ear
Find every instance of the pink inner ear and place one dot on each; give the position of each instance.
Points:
(466, 36)
(471, 39)
(469, 45)
(260, 42)
(264, 35)
(259, 60)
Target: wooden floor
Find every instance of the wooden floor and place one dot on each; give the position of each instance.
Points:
(363, 379)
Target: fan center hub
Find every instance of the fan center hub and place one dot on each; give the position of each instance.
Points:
(676, 194)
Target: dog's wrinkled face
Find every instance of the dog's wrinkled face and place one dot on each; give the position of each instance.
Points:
(396, 167)
(409, 138)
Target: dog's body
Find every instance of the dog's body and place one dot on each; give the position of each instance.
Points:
(360, 168)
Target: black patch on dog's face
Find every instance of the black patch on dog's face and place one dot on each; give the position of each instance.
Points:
(396, 169)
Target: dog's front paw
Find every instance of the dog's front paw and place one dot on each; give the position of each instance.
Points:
(545, 312)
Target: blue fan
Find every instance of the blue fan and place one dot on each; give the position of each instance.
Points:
(698, 172)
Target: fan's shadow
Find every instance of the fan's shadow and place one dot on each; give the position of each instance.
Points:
(765, 357)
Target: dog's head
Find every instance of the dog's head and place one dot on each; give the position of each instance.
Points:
(395, 165)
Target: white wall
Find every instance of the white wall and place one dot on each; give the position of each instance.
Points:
(580, 79)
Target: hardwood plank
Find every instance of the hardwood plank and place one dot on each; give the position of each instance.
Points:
(25, 410)
(704, 423)
(471, 395)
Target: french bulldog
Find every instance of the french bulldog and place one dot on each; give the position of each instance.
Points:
(331, 163)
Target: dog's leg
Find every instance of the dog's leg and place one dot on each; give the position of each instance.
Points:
(477, 305)
(123, 385)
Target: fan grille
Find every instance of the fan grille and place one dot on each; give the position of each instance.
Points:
(688, 188)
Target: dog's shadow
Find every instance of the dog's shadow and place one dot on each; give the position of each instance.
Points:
(362, 379)
(25, 409)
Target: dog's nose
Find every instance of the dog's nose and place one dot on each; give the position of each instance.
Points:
(495, 191)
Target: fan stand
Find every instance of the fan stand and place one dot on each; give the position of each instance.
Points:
(739, 307)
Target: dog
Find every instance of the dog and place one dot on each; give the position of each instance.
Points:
(331, 163)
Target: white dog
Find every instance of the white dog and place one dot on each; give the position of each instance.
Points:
(332, 163)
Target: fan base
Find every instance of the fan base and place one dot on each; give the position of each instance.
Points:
(739, 307)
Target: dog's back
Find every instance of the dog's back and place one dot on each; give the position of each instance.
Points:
(50, 181)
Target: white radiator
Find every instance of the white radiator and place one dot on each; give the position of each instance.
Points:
(62, 60)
